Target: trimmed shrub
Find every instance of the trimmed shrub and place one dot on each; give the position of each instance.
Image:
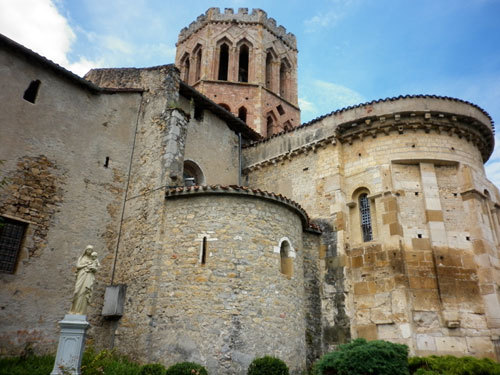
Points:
(267, 366)
(186, 368)
(107, 362)
(152, 369)
(450, 365)
(361, 357)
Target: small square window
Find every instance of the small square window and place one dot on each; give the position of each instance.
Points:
(11, 238)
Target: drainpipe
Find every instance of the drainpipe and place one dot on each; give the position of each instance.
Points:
(239, 159)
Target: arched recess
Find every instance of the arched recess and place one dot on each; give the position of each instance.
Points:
(225, 106)
(193, 175)
(244, 49)
(363, 218)
(285, 68)
(271, 123)
(287, 255)
(270, 57)
(198, 55)
(242, 114)
(223, 48)
(185, 67)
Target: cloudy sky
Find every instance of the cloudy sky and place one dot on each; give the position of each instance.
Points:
(350, 51)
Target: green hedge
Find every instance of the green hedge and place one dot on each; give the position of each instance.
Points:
(268, 366)
(450, 365)
(186, 368)
(361, 357)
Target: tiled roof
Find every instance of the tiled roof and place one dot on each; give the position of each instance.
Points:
(242, 190)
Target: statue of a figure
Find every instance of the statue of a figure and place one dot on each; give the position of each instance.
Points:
(86, 268)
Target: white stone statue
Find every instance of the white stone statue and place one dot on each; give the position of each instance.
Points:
(86, 268)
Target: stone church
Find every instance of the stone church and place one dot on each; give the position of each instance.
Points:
(228, 230)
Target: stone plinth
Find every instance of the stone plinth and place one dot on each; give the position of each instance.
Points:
(71, 344)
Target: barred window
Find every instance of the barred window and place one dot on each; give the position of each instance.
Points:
(11, 237)
(366, 220)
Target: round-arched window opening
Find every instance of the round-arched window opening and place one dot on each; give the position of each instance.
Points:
(192, 174)
(286, 263)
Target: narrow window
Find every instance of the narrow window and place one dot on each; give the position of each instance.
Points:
(198, 65)
(223, 62)
(198, 113)
(242, 114)
(270, 126)
(243, 64)
(283, 80)
(185, 68)
(11, 238)
(366, 220)
(269, 61)
(280, 109)
(32, 91)
(286, 262)
(203, 259)
(106, 162)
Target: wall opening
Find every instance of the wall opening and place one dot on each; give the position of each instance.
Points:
(11, 239)
(269, 67)
(193, 175)
(243, 64)
(32, 91)
(198, 113)
(269, 125)
(286, 261)
(284, 80)
(366, 220)
(198, 65)
(225, 106)
(203, 256)
(223, 62)
(242, 114)
(185, 68)
(106, 162)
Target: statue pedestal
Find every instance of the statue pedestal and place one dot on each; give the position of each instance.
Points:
(71, 344)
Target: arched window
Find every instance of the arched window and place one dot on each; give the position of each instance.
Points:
(365, 218)
(223, 62)
(225, 106)
(192, 174)
(198, 65)
(283, 80)
(269, 126)
(286, 260)
(185, 68)
(269, 72)
(243, 64)
(287, 125)
(242, 114)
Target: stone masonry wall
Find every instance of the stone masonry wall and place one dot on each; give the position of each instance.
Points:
(238, 301)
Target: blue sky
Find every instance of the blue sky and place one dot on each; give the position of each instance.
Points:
(350, 51)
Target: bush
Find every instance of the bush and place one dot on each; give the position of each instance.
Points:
(29, 365)
(152, 369)
(267, 366)
(107, 362)
(450, 365)
(361, 357)
(186, 368)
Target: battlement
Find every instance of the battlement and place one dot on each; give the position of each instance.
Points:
(257, 16)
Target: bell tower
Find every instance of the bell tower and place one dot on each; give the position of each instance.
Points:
(245, 63)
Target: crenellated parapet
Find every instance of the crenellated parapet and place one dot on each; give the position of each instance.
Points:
(257, 16)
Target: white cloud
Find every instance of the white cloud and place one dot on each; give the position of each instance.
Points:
(330, 18)
(336, 96)
(38, 25)
(307, 106)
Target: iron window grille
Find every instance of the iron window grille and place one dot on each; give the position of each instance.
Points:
(11, 238)
(366, 220)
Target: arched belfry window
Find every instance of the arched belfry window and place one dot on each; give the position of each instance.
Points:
(243, 64)
(198, 64)
(223, 62)
(242, 114)
(365, 218)
(185, 68)
(269, 70)
(193, 175)
(284, 79)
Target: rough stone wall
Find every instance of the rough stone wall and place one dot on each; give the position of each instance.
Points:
(238, 301)
(424, 266)
(261, 35)
(58, 184)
